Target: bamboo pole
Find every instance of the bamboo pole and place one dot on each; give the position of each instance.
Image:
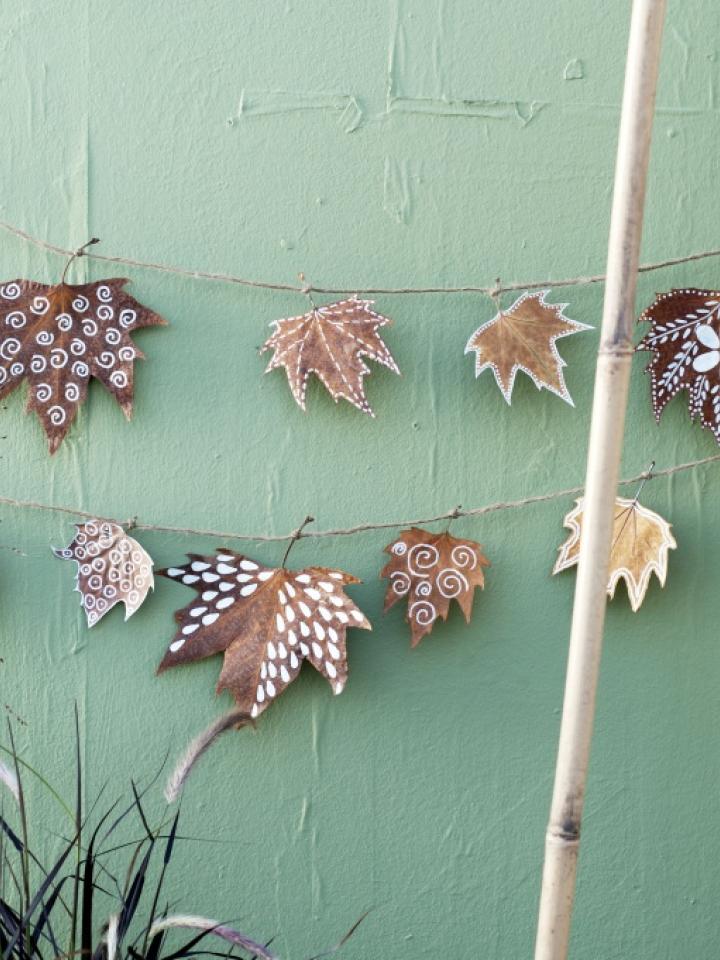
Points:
(562, 841)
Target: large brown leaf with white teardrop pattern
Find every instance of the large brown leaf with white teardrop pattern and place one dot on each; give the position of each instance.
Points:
(266, 621)
(331, 341)
(684, 339)
(58, 337)
(430, 570)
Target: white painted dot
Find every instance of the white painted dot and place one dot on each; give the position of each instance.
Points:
(330, 668)
(271, 651)
(249, 589)
(225, 586)
(254, 711)
(356, 615)
(270, 687)
(210, 618)
(199, 565)
(225, 558)
(175, 571)
(248, 565)
(303, 578)
(290, 589)
(317, 650)
(338, 687)
(210, 577)
(336, 601)
(293, 660)
(304, 650)
(282, 650)
(272, 670)
(319, 632)
(265, 574)
(325, 613)
(292, 638)
(209, 594)
(333, 651)
(225, 602)
(176, 644)
(225, 568)
(190, 628)
(190, 578)
(335, 575)
(243, 577)
(342, 616)
(260, 693)
(284, 675)
(280, 623)
(263, 671)
(327, 587)
(197, 611)
(332, 633)
(304, 629)
(312, 593)
(306, 611)
(289, 614)
(282, 598)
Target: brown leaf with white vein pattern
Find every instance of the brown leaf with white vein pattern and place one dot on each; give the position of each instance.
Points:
(331, 341)
(266, 622)
(430, 570)
(111, 568)
(58, 337)
(684, 339)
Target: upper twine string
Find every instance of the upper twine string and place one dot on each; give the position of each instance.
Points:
(300, 533)
(304, 288)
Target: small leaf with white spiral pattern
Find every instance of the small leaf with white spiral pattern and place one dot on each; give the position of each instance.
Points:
(111, 568)
(58, 337)
(429, 570)
(266, 622)
(331, 341)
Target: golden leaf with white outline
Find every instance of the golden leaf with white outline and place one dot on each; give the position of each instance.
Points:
(641, 541)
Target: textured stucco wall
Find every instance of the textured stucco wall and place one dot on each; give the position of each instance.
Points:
(380, 142)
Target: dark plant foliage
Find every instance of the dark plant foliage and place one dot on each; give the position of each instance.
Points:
(78, 905)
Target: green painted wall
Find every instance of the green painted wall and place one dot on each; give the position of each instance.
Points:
(381, 142)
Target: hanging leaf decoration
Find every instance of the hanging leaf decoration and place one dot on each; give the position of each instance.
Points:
(266, 622)
(58, 337)
(684, 339)
(524, 338)
(111, 568)
(640, 545)
(430, 570)
(331, 341)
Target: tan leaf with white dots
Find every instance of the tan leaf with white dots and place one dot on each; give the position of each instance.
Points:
(59, 337)
(640, 545)
(266, 621)
(331, 341)
(111, 568)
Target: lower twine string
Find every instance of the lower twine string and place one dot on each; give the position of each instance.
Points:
(301, 533)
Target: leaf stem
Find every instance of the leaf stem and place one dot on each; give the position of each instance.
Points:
(78, 253)
(295, 537)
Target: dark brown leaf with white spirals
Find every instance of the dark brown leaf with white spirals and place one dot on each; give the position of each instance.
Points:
(429, 570)
(111, 568)
(57, 337)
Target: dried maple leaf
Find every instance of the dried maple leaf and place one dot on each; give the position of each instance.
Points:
(431, 569)
(685, 343)
(267, 621)
(111, 568)
(641, 541)
(523, 338)
(331, 342)
(58, 337)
